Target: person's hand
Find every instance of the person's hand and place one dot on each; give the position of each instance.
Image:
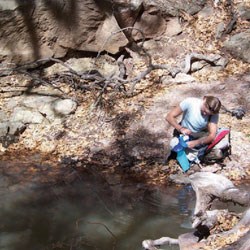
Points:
(185, 131)
(192, 144)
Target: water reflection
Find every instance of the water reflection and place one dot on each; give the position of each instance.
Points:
(89, 214)
(185, 195)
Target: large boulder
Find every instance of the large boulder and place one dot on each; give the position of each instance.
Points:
(33, 109)
(40, 29)
(32, 30)
(173, 7)
(239, 46)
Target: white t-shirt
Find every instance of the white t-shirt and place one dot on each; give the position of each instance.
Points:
(192, 116)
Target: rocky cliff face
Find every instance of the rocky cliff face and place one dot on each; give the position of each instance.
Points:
(31, 30)
(36, 29)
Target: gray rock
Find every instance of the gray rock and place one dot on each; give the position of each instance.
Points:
(8, 4)
(239, 46)
(35, 109)
(108, 41)
(223, 61)
(35, 101)
(104, 65)
(157, 23)
(172, 8)
(180, 178)
(219, 30)
(15, 128)
(207, 11)
(180, 78)
(3, 116)
(196, 66)
(4, 127)
(24, 115)
(173, 27)
(64, 107)
(244, 12)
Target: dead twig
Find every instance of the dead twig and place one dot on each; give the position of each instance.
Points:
(42, 81)
(122, 67)
(100, 94)
(97, 223)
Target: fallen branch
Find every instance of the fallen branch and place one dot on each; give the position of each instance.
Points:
(38, 79)
(94, 80)
(211, 59)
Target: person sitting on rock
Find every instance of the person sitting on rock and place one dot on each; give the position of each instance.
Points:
(199, 120)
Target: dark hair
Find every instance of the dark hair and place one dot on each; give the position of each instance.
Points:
(213, 104)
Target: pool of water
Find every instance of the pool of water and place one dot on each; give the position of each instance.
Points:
(43, 207)
(88, 213)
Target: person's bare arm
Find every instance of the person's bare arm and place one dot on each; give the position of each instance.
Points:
(172, 120)
(212, 129)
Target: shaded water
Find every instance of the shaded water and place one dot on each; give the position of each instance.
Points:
(86, 214)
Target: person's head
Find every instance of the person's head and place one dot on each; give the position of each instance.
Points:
(211, 105)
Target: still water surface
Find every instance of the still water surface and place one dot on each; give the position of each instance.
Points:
(88, 214)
